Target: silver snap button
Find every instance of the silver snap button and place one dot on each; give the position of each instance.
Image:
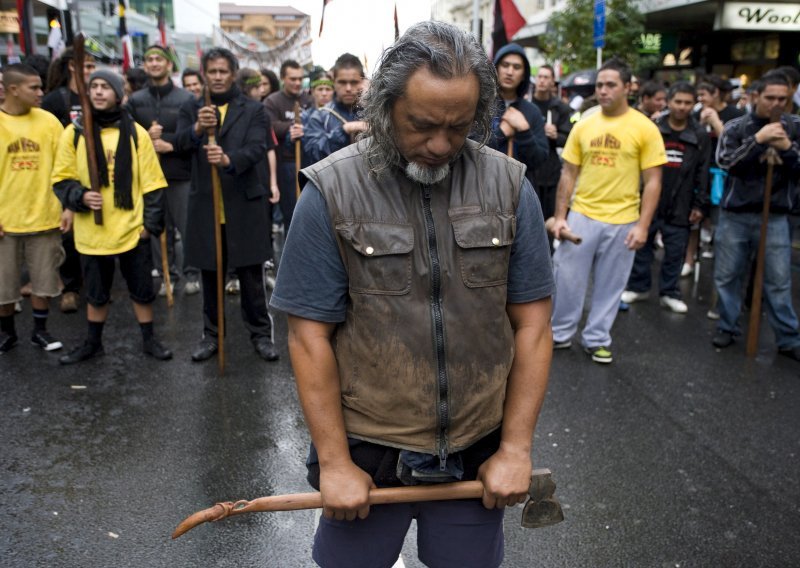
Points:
(496, 241)
(369, 250)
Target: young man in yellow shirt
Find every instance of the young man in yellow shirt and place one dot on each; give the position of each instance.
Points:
(611, 150)
(30, 215)
(130, 199)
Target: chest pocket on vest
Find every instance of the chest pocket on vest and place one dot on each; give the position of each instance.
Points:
(378, 256)
(484, 247)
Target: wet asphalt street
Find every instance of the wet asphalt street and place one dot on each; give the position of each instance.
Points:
(676, 455)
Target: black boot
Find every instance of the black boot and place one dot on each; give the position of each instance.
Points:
(157, 351)
(82, 353)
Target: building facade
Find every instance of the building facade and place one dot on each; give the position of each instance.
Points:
(270, 25)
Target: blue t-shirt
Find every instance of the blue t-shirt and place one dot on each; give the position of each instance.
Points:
(312, 281)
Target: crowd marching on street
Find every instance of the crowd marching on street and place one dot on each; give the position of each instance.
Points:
(448, 192)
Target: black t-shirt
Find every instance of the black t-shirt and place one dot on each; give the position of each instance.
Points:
(64, 104)
(671, 170)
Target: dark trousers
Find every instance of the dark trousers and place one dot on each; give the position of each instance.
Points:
(135, 266)
(253, 299)
(675, 239)
(547, 199)
(70, 270)
(287, 183)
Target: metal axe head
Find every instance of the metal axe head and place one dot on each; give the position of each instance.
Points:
(543, 508)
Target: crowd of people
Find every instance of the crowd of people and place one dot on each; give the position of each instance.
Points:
(450, 181)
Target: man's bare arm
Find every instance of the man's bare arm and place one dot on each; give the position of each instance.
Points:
(506, 475)
(566, 185)
(637, 236)
(343, 485)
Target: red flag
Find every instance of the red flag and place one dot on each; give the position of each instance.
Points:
(507, 21)
(199, 50)
(127, 45)
(322, 18)
(162, 24)
(23, 24)
(396, 24)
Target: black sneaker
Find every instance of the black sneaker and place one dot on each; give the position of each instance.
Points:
(82, 353)
(7, 341)
(46, 341)
(154, 348)
(266, 349)
(722, 339)
(791, 353)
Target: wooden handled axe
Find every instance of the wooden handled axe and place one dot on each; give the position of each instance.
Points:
(541, 510)
(565, 235)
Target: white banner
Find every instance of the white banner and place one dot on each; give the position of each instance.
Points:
(758, 16)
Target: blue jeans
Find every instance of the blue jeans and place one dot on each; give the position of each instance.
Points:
(736, 241)
(675, 239)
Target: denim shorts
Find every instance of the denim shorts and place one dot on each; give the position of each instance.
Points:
(450, 534)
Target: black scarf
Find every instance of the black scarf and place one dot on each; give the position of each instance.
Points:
(123, 167)
(226, 97)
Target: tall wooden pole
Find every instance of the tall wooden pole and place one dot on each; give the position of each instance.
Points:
(298, 151)
(771, 157)
(216, 195)
(88, 122)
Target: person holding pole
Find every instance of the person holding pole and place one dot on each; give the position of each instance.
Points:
(156, 108)
(404, 244)
(130, 198)
(282, 111)
(518, 127)
(239, 154)
(743, 143)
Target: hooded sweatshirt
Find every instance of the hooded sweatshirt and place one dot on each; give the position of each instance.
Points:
(529, 146)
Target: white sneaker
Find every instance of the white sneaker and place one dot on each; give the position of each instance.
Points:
(674, 304)
(162, 291)
(192, 287)
(686, 270)
(232, 287)
(708, 253)
(154, 273)
(629, 296)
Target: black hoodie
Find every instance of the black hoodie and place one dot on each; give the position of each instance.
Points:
(530, 146)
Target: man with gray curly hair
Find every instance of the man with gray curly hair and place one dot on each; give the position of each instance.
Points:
(418, 286)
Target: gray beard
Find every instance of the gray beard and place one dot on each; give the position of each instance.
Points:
(425, 175)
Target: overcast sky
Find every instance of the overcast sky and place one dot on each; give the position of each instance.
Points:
(362, 27)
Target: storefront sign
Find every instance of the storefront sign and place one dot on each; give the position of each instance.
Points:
(758, 16)
(651, 43)
(9, 22)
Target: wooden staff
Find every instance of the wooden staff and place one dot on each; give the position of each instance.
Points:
(772, 158)
(216, 195)
(298, 150)
(511, 147)
(88, 122)
(164, 257)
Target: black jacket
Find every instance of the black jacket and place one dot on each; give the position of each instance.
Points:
(740, 154)
(162, 104)
(243, 137)
(690, 190)
(548, 173)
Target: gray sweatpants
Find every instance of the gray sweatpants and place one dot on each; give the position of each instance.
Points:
(601, 256)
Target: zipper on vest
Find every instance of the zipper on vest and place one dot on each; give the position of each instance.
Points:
(442, 409)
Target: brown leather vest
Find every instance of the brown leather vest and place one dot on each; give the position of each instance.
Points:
(426, 348)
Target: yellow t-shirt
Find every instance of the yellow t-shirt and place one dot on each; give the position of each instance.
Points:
(121, 228)
(612, 152)
(27, 150)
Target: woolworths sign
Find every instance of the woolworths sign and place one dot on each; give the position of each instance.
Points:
(756, 16)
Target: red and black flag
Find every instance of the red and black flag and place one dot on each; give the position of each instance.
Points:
(127, 44)
(162, 24)
(322, 18)
(507, 21)
(26, 41)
